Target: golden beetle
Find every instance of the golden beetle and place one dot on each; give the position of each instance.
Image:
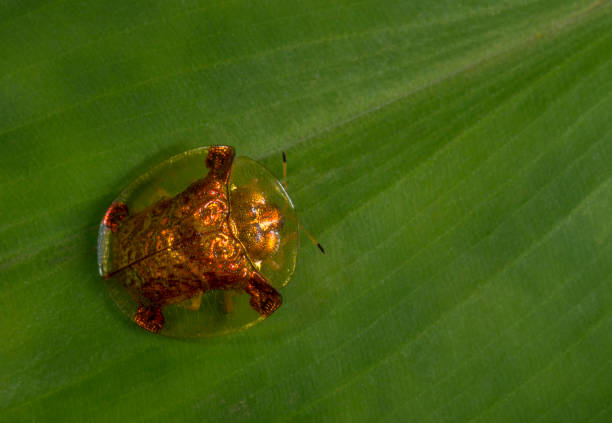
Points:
(195, 253)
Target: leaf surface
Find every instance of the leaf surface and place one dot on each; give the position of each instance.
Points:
(454, 158)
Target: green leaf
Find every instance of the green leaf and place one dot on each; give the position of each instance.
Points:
(454, 158)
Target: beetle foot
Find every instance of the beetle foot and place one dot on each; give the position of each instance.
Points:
(264, 298)
(114, 215)
(150, 318)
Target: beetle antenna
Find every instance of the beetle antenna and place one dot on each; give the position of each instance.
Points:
(284, 170)
(312, 238)
(308, 234)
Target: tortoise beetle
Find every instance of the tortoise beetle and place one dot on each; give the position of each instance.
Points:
(186, 253)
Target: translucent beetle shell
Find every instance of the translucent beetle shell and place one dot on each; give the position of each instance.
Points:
(200, 245)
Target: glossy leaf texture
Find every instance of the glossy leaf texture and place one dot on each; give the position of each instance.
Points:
(454, 158)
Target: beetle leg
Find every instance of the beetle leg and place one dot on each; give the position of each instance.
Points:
(264, 298)
(115, 214)
(228, 303)
(162, 194)
(196, 301)
(150, 318)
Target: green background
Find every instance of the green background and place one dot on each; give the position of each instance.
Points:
(454, 158)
